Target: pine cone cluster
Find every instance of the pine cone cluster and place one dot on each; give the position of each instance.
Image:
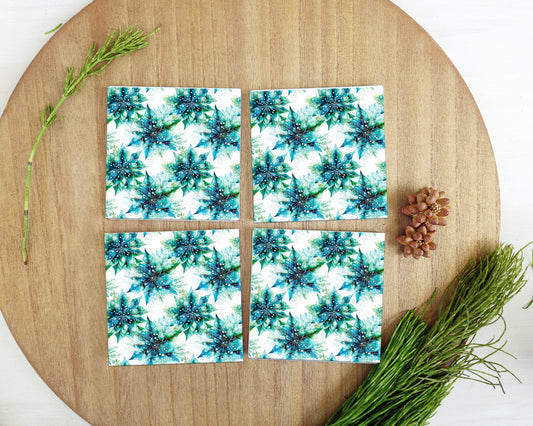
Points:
(428, 209)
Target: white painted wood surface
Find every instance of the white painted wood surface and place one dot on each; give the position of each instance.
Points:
(491, 44)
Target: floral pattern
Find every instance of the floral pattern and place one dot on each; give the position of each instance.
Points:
(173, 297)
(167, 148)
(316, 295)
(318, 154)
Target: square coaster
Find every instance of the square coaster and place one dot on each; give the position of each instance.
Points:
(316, 295)
(173, 297)
(318, 154)
(173, 153)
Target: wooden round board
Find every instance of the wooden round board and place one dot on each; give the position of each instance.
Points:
(56, 305)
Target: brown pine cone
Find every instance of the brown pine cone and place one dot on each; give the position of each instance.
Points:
(417, 242)
(428, 207)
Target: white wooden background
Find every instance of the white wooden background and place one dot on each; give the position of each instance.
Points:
(491, 44)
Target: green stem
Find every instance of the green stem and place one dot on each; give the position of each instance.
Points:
(45, 124)
(115, 45)
(54, 29)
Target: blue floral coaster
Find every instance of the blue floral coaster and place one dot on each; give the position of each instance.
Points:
(318, 154)
(173, 153)
(173, 297)
(316, 295)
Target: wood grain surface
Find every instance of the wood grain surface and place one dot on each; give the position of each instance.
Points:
(56, 306)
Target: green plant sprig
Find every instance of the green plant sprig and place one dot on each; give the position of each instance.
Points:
(58, 26)
(422, 362)
(118, 43)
